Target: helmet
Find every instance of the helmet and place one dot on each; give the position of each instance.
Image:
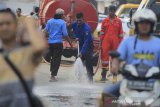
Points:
(145, 15)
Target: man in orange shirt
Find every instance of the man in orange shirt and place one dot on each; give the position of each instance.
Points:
(111, 36)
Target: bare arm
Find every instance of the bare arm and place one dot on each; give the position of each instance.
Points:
(45, 32)
(35, 37)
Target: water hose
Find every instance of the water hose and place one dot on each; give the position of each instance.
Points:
(99, 62)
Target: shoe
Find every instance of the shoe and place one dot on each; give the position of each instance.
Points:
(103, 80)
(53, 79)
(103, 75)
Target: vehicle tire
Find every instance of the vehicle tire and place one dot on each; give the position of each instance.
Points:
(69, 53)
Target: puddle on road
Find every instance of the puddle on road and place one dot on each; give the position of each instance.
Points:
(70, 95)
(66, 101)
(74, 92)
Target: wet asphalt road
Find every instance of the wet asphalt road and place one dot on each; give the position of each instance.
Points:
(66, 92)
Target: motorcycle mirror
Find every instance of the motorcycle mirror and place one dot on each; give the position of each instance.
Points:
(131, 12)
(130, 15)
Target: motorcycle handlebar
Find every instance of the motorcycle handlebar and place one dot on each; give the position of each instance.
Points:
(127, 74)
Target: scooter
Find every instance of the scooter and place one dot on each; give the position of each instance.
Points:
(140, 87)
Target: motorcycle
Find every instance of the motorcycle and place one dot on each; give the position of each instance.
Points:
(140, 86)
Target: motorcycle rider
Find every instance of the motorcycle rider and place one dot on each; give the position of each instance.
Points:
(143, 46)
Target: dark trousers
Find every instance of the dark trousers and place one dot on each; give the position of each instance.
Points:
(104, 73)
(113, 90)
(88, 60)
(56, 53)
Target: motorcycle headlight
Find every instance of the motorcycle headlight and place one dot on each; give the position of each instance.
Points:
(128, 100)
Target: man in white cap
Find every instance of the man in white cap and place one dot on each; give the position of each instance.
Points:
(60, 11)
(56, 30)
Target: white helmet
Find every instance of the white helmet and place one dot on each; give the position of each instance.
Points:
(145, 14)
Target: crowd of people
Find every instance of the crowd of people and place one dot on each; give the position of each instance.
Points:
(23, 43)
(56, 29)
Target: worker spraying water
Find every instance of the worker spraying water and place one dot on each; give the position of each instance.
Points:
(82, 31)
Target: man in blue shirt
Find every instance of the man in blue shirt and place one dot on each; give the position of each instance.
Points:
(143, 47)
(82, 31)
(56, 30)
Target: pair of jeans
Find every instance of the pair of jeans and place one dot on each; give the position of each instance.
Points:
(113, 90)
(56, 50)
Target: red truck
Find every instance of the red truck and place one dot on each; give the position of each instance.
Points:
(71, 7)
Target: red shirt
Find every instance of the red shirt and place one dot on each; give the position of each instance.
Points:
(111, 27)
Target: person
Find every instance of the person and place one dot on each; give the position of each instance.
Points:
(20, 37)
(36, 17)
(82, 31)
(24, 57)
(20, 17)
(36, 11)
(110, 35)
(56, 29)
(142, 47)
